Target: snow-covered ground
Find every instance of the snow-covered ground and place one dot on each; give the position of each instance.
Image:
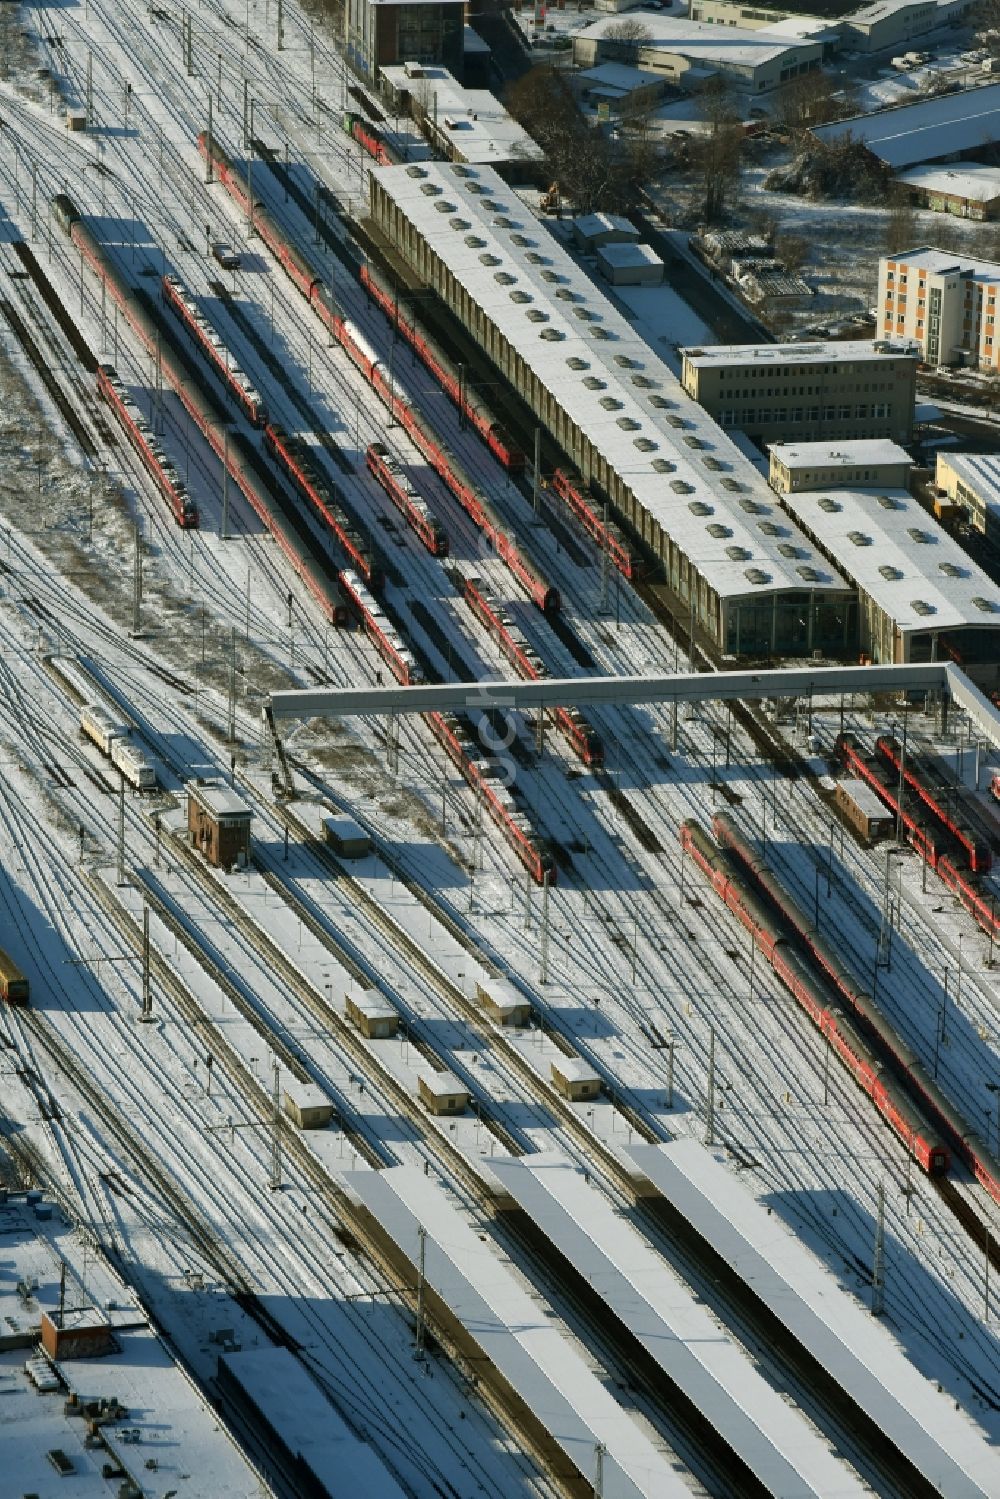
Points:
(634, 940)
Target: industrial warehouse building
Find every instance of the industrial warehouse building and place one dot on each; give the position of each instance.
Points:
(686, 52)
(754, 583)
(463, 124)
(803, 391)
(947, 304)
(969, 190)
(933, 130)
(972, 480)
(817, 465)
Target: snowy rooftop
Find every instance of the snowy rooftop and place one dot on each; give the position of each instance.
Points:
(980, 184)
(618, 76)
(176, 1430)
(864, 797)
(900, 556)
(732, 45)
(840, 454)
(575, 1070)
(323, 1444)
(218, 799)
(511, 1328)
(925, 131)
(587, 225)
(776, 1442)
(625, 255)
(683, 469)
(882, 9)
(981, 471)
(472, 118)
(941, 1442)
(938, 262)
(442, 1084)
(850, 350)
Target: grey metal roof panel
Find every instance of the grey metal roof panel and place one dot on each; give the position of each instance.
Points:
(857, 1350)
(926, 131)
(775, 1440)
(532, 1354)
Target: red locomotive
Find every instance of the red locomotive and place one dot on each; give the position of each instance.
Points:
(872, 1076)
(921, 777)
(578, 496)
(137, 430)
(962, 1134)
(582, 736)
(472, 500)
(293, 455)
(377, 625)
(366, 135)
(404, 496)
(448, 375)
(176, 296)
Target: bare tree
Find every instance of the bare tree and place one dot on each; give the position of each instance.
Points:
(717, 153)
(813, 99)
(792, 249)
(623, 40)
(901, 225)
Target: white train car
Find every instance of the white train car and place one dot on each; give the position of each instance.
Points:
(98, 725)
(135, 765)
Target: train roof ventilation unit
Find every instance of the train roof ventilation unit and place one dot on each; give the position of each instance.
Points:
(492, 206)
(752, 507)
(951, 569)
(460, 169)
(502, 222)
(769, 528)
(681, 486)
(445, 207)
(916, 534)
(593, 383)
(470, 187)
(660, 402)
(489, 259)
(576, 363)
(890, 572)
(697, 507)
(600, 332)
(663, 466)
(460, 225)
(626, 363)
(415, 171)
(888, 502)
(756, 575)
(584, 314)
(645, 445)
(551, 277)
(693, 441)
(830, 506)
(628, 424)
(985, 606)
(431, 189)
(676, 421)
(474, 241)
(554, 335)
(922, 607)
(712, 463)
(859, 538)
(718, 531)
(564, 293)
(787, 550)
(738, 554)
(504, 278)
(611, 403)
(522, 241)
(536, 315)
(808, 574)
(521, 296)
(734, 486)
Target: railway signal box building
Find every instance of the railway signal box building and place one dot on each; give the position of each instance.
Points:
(574, 1079)
(373, 1016)
(218, 823)
(442, 1092)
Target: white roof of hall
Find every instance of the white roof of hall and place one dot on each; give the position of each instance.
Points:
(703, 356)
(972, 180)
(510, 1326)
(734, 46)
(900, 556)
(838, 454)
(778, 1444)
(855, 1347)
(473, 118)
(926, 258)
(926, 131)
(683, 469)
(981, 471)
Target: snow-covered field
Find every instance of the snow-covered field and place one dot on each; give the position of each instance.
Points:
(632, 940)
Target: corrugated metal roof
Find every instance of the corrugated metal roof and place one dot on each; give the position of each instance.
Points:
(778, 1443)
(926, 131)
(511, 1328)
(585, 353)
(980, 471)
(942, 1443)
(971, 180)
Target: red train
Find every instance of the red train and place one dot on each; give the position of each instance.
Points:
(578, 496)
(533, 852)
(293, 456)
(375, 371)
(379, 628)
(177, 297)
(366, 135)
(872, 1076)
(404, 496)
(933, 842)
(448, 375)
(137, 430)
(963, 1136)
(930, 786)
(582, 736)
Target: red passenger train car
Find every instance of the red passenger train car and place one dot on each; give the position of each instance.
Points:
(147, 445)
(403, 494)
(921, 1137)
(581, 735)
(919, 776)
(577, 494)
(294, 458)
(237, 383)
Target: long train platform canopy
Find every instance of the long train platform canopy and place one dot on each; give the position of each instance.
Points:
(749, 686)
